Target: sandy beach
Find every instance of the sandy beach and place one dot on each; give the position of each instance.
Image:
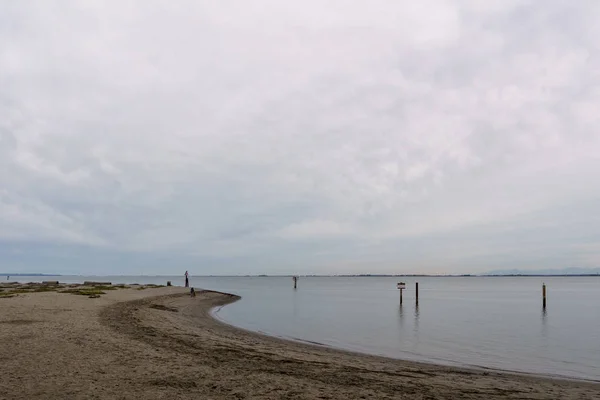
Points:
(159, 343)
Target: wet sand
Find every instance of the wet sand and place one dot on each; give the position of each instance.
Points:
(160, 343)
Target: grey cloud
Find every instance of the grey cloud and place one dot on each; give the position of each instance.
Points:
(257, 136)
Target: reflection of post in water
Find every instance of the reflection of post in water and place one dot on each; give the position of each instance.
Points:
(295, 304)
(401, 315)
(544, 314)
(416, 317)
(544, 320)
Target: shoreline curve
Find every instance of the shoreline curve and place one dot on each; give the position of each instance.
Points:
(230, 359)
(431, 363)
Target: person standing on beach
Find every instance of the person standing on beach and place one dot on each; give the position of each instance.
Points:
(187, 281)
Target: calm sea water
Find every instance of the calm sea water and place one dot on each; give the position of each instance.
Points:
(494, 322)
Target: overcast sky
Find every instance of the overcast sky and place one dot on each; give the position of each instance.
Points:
(314, 136)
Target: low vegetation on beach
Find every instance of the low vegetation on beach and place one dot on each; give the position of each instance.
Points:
(9, 290)
(150, 286)
(6, 295)
(21, 290)
(84, 292)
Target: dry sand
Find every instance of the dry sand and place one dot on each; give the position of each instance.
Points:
(161, 344)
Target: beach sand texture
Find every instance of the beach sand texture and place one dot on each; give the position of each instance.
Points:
(159, 343)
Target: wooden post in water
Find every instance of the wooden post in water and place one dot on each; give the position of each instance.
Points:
(401, 286)
(543, 295)
(295, 282)
(417, 292)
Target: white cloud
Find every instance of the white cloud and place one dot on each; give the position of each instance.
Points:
(249, 131)
(315, 230)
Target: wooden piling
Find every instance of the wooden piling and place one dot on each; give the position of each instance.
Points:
(295, 282)
(544, 295)
(401, 286)
(417, 292)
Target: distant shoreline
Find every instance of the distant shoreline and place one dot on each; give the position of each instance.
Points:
(21, 274)
(332, 276)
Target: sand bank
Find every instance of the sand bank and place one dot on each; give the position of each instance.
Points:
(161, 344)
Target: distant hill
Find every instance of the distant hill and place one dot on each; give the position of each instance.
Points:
(26, 274)
(563, 271)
